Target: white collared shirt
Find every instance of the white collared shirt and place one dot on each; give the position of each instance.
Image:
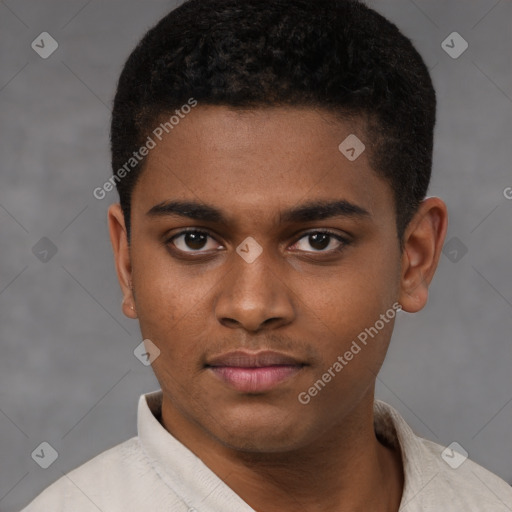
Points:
(155, 472)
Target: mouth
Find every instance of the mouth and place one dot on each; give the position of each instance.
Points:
(257, 372)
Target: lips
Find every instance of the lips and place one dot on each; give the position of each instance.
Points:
(254, 372)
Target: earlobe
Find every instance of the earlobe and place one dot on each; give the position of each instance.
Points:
(129, 309)
(423, 242)
(120, 246)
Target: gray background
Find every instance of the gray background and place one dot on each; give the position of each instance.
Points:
(68, 375)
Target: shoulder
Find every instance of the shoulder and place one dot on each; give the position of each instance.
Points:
(438, 477)
(466, 485)
(120, 478)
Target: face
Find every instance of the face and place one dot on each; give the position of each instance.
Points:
(259, 253)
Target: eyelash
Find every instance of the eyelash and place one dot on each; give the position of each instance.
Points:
(343, 241)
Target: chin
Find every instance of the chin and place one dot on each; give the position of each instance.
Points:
(259, 445)
(259, 434)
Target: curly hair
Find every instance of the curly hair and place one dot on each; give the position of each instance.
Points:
(339, 55)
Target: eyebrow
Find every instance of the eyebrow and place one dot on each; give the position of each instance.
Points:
(310, 211)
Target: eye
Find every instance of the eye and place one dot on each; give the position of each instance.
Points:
(193, 241)
(320, 241)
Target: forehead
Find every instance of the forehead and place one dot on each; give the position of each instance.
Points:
(256, 162)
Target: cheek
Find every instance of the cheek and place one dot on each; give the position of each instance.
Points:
(162, 300)
(351, 297)
(163, 288)
(172, 307)
(375, 278)
(346, 308)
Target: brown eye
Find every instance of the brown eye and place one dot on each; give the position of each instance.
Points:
(193, 241)
(320, 241)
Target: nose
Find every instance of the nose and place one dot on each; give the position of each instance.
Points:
(254, 296)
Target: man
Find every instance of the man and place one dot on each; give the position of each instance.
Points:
(272, 159)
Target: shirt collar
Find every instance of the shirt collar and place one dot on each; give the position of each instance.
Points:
(201, 489)
(419, 466)
(179, 468)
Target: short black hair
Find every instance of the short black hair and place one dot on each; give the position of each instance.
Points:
(339, 55)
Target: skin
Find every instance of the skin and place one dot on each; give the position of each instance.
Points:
(298, 297)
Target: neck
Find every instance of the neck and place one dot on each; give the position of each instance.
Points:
(346, 468)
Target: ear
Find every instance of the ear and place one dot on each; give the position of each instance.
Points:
(423, 242)
(119, 239)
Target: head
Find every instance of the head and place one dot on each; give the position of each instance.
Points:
(243, 109)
